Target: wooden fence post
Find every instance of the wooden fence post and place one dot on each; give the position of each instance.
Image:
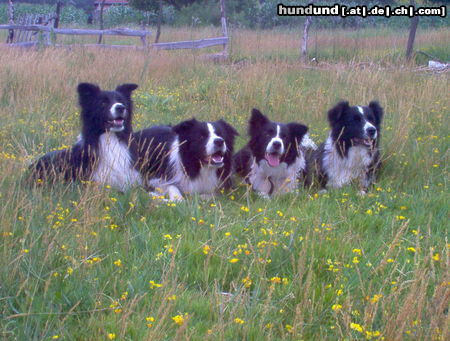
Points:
(412, 34)
(58, 13)
(304, 48)
(159, 22)
(100, 37)
(10, 37)
(223, 20)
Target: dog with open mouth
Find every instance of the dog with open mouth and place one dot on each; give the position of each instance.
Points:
(273, 160)
(102, 152)
(351, 151)
(192, 157)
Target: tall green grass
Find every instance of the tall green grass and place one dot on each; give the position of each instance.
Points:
(86, 262)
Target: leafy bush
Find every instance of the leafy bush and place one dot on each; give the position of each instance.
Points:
(240, 13)
(124, 15)
(69, 14)
(120, 15)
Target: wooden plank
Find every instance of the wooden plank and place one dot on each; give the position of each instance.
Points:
(28, 44)
(81, 32)
(191, 44)
(123, 47)
(24, 44)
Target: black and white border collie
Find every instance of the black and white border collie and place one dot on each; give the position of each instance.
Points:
(351, 150)
(102, 152)
(192, 157)
(273, 160)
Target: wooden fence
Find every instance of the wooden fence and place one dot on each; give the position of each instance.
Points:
(142, 34)
(192, 44)
(50, 31)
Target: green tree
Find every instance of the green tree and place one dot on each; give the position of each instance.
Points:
(158, 6)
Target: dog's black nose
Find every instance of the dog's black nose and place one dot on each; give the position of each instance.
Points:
(120, 108)
(276, 145)
(219, 142)
(371, 131)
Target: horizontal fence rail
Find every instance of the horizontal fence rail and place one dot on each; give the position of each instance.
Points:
(188, 44)
(79, 32)
(192, 44)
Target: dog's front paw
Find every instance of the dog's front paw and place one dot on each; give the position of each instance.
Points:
(157, 196)
(206, 197)
(263, 195)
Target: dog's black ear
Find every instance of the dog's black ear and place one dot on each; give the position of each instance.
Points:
(336, 113)
(228, 128)
(184, 126)
(126, 89)
(86, 92)
(298, 131)
(377, 111)
(257, 120)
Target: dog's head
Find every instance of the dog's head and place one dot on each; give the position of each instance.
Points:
(205, 144)
(355, 126)
(272, 141)
(103, 111)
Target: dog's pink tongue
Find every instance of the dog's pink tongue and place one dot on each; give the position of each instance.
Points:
(217, 158)
(273, 160)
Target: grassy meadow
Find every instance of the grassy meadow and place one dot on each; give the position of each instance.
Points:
(84, 262)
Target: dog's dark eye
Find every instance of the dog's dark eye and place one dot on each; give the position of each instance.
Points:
(370, 118)
(357, 118)
(283, 136)
(104, 103)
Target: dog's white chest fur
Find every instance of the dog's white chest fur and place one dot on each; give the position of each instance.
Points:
(205, 183)
(341, 171)
(114, 164)
(268, 180)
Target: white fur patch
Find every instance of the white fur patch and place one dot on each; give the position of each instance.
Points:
(113, 109)
(283, 178)
(368, 125)
(114, 166)
(308, 143)
(210, 149)
(342, 170)
(205, 183)
(276, 139)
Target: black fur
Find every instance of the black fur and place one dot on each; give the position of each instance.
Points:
(262, 131)
(154, 147)
(350, 128)
(78, 162)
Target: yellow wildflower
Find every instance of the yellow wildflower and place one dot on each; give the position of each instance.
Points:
(206, 249)
(178, 319)
(153, 285)
(375, 298)
(172, 298)
(336, 307)
(275, 280)
(356, 326)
